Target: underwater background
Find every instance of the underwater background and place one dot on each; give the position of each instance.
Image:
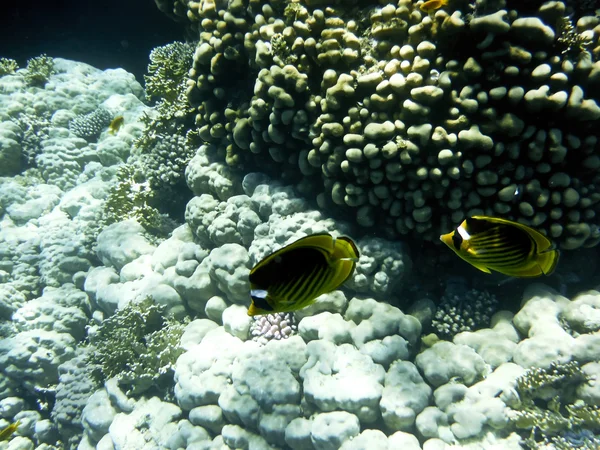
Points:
(152, 155)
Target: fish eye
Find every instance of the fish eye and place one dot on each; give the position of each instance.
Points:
(457, 239)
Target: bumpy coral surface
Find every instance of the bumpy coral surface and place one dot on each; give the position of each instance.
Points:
(406, 119)
(281, 119)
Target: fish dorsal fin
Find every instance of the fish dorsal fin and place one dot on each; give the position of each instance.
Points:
(479, 224)
(322, 242)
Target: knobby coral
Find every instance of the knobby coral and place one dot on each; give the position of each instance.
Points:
(405, 120)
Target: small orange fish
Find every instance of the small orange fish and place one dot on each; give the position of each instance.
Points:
(115, 124)
(433, 5)
(7, 432)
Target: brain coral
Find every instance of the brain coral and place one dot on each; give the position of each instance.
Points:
(408, 120)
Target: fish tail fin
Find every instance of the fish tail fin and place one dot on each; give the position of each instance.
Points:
(548, 260)
(344, 267)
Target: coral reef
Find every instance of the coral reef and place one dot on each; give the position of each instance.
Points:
(407, 120)
(463, 312)
(38, 70)
(546, 406)
(89, 126)
(288, 118)
(137, 346)
(273, 326)
(8, 66)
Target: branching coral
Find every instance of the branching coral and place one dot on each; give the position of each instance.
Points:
(39, 70)
(168, 67)
(8, 66)
(548, 407)
(166, 82)
(131, 198)
(138, 346)
(569, 41)
(165, 146)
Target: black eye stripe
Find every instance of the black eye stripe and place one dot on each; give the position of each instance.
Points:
(261, 303)
(457, 240)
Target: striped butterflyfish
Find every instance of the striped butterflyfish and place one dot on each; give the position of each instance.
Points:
(295, 275)
(511, 248)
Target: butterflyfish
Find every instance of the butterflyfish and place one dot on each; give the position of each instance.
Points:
(505, 246)
(433, 5)
(115, 124)
(7, 432)
(292, 277)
